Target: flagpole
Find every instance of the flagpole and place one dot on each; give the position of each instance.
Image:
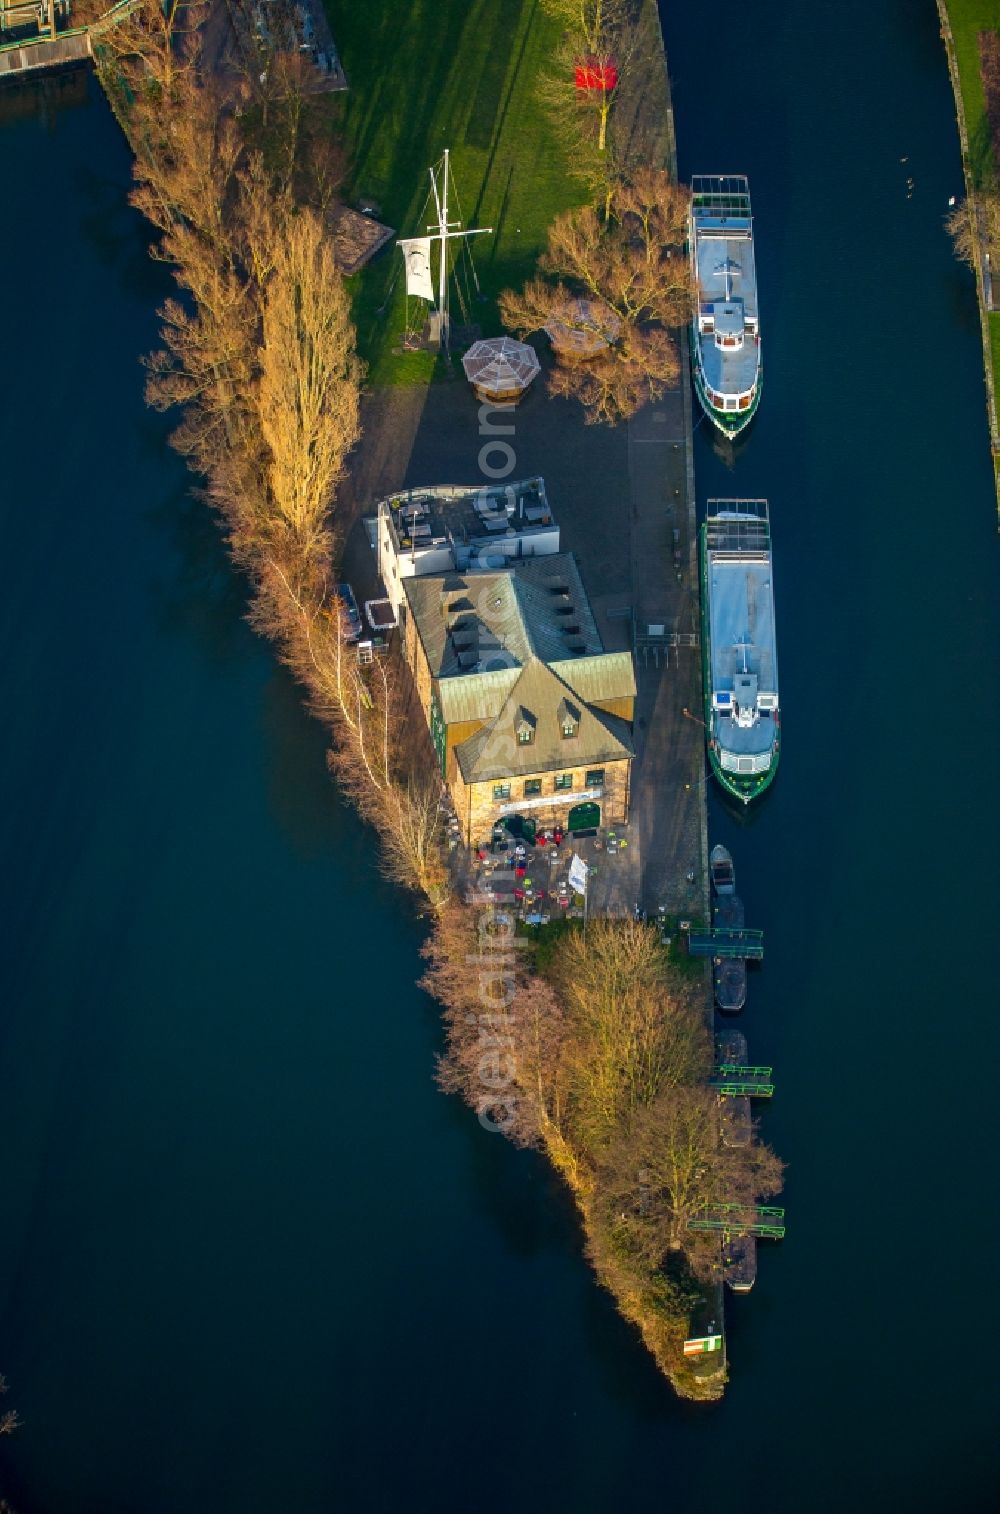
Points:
(422, 282)
(443, 271)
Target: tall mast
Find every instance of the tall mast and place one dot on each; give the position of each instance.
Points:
(444, 232)
(443, 271)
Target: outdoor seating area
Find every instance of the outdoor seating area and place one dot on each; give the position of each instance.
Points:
(531, 877)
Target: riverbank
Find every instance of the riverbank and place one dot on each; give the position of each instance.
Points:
(961, 23)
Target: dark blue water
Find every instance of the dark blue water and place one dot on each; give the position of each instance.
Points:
(251, 1260)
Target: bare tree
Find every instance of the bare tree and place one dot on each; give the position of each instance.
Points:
(492, 1001)
(669, 1164)
(154, 40)
(636, 282)
(631, 1030)
(208, 362)
(974, 227)
(590, 62)
(322, 168)
(309, 380)
(960, 227)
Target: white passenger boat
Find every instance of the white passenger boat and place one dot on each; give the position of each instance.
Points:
(725, 330)
(739, 652)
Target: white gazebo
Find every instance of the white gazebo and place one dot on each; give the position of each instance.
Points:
(500, 369)
(588, 331)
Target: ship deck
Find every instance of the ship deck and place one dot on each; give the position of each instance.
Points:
(741, 627)
(729, 372)
(726, 269)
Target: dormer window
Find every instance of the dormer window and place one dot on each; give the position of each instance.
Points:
(569, 719)
(525, 727)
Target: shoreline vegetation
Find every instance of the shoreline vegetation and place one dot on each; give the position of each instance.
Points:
(589, 1045)
(971, 33)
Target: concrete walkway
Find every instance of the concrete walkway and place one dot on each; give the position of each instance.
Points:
(619, 494)
(668, 774)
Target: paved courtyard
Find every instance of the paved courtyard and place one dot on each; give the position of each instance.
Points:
(621, 497)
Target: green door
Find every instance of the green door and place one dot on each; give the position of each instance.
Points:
(522, 827)
(585, 817)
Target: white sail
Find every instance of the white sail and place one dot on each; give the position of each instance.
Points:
(417, 257)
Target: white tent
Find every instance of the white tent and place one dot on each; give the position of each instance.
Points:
(500, 369)
(587, 333)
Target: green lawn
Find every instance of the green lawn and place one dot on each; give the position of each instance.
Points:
(994, 320)
(430, 74)
(968, 19)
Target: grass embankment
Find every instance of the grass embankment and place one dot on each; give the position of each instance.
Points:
(425, 76)
(968, 20)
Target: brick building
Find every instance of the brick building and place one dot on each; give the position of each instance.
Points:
(528, 714)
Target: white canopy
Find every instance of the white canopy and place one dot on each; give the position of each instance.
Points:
(592, 335)
(500, 366)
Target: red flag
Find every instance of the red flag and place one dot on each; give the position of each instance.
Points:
(592, 74)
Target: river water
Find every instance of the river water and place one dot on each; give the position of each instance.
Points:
(251, 1260)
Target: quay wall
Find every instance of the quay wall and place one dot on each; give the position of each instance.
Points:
(712, 1383)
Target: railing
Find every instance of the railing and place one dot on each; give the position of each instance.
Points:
(736, 1219)
(110, 18)
(746, 1088)
(744, 766)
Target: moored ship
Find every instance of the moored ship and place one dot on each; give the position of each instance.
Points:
(725, 329)
(739, 652)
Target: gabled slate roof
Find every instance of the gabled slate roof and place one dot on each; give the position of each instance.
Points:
(495, 752)
(483, 621)
(518, 648)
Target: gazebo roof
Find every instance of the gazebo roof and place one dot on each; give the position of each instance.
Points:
(501, 365)
(588, 338)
